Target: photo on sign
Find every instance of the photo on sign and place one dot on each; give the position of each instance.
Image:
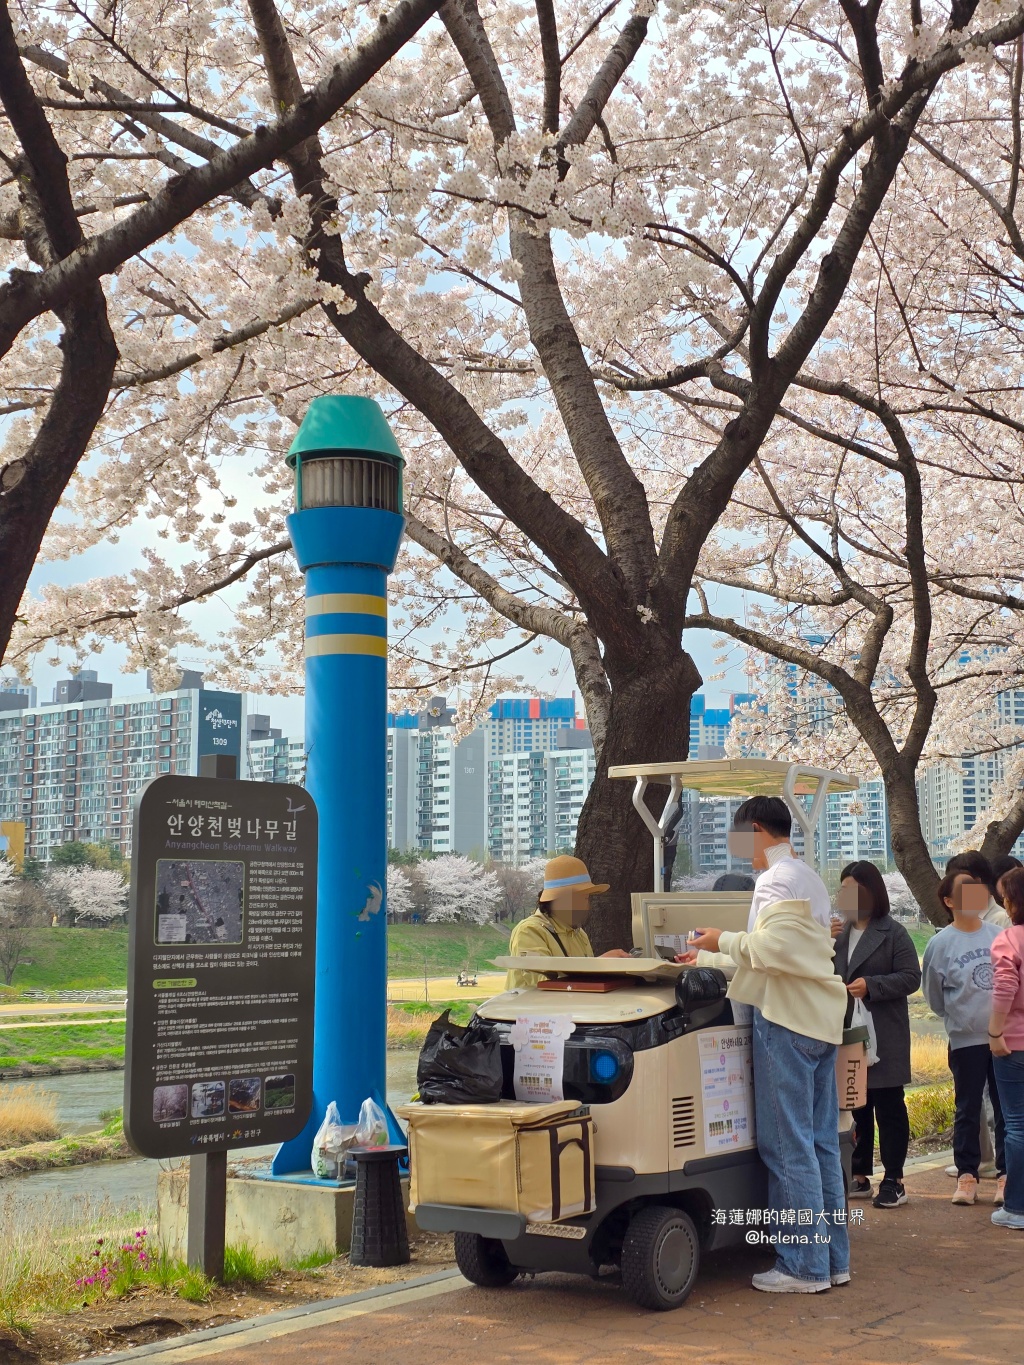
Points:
(244, 1096)
(208, 1099)
(199, 902)
(279, 1092)
(170, 1102)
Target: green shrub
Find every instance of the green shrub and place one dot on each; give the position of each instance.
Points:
(243, 1266)
(930, 1108)
(193, 1286)
(315, 1259)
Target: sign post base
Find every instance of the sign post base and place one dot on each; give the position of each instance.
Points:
(207, 1207)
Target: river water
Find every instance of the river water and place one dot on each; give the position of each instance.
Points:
(80, 1101)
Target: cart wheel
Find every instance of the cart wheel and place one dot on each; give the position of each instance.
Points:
(660, 1257)
(483, 1261)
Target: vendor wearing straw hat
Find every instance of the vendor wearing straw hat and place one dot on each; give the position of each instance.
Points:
(555, 929)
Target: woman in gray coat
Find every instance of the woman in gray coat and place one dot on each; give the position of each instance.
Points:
(877, 959)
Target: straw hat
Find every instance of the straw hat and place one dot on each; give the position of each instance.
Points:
(565, 873)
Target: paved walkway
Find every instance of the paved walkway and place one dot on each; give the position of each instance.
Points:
(932, 1284)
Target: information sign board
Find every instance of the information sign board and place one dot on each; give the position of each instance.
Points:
(222, 946)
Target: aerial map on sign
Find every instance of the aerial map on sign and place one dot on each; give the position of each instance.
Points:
(199, 902)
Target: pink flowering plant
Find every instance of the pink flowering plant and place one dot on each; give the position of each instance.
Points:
(115, 1267)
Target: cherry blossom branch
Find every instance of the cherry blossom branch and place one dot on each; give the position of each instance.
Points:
(618, 493)
(548, 27)
(26, 295)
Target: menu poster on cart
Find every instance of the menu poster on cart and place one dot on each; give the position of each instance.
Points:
(222, 953)
(540, 1057)
(727, 1086)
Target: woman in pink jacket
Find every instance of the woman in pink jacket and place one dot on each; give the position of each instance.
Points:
(1006, 1039)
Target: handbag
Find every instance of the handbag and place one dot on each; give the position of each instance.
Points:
(861, 1017)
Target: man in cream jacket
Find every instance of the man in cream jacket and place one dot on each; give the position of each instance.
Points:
(784, 971)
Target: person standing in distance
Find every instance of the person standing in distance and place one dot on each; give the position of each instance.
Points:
(1006, 1043)
(877, 959)
(957, 980)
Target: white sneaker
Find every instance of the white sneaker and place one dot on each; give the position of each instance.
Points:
(778, 1282)
(987, 1171)
(1004, 1219)
(952, 1170)
(840, 1277)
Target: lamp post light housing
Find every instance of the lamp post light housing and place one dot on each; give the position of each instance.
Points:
(346, 530)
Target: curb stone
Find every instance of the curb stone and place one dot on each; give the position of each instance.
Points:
(300, 1318)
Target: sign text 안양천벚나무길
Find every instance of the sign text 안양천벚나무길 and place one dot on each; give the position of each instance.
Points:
(222, 944)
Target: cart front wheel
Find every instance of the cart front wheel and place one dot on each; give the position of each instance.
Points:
(660, 1257)
(483, 1261)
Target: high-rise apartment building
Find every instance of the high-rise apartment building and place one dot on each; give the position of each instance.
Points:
(272, 756)
(534, 802)
(69, 769)
(440, 795)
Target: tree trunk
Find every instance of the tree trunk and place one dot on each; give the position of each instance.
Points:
(90, 354)
(1001, 835)
(908, 843)
(648, 722)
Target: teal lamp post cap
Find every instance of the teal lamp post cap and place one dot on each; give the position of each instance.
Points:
(337, 423)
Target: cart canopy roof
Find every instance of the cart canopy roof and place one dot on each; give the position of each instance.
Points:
(739, 776)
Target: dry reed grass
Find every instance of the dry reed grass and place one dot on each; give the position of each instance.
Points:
(928, 1059)
(27, 1114)
(46, 1249)
(406, 1030)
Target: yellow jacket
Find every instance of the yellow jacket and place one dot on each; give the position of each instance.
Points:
(784, 967)
(536, 937)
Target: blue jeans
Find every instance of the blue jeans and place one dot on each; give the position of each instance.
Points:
(1010, 1083)
(797, 1112)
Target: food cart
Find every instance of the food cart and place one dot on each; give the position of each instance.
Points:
(647, 1146)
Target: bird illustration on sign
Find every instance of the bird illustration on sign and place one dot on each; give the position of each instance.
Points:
(373, 901)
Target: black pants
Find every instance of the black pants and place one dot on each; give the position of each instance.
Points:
(888, 1108)
(971, 1068)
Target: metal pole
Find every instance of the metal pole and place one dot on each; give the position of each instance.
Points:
(208, 1173)
(346, 533)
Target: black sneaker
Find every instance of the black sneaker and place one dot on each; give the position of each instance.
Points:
(891, 1194)
(860, 1188)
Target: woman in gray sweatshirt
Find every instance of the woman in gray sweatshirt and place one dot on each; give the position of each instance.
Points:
(957, 982)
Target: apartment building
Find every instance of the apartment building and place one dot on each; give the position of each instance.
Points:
(69, 768)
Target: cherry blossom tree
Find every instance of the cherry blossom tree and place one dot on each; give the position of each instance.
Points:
(544, 229)
(111, 67)
(901, 899)
(458, 890)
(400, 901)
(90, 895)
(880, 524)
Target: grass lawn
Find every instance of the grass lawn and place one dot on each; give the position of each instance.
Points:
(448, 948)
(79, 1042)
(75, 960)
(97, 959)
(921, 935)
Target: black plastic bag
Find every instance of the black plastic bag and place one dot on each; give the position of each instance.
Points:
(460, 1065)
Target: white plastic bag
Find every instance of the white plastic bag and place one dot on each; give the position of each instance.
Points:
(332, 1141)
(372, 1128)
(862, 1016)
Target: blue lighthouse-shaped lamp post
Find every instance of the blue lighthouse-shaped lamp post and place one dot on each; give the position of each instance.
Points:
(346, 530)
